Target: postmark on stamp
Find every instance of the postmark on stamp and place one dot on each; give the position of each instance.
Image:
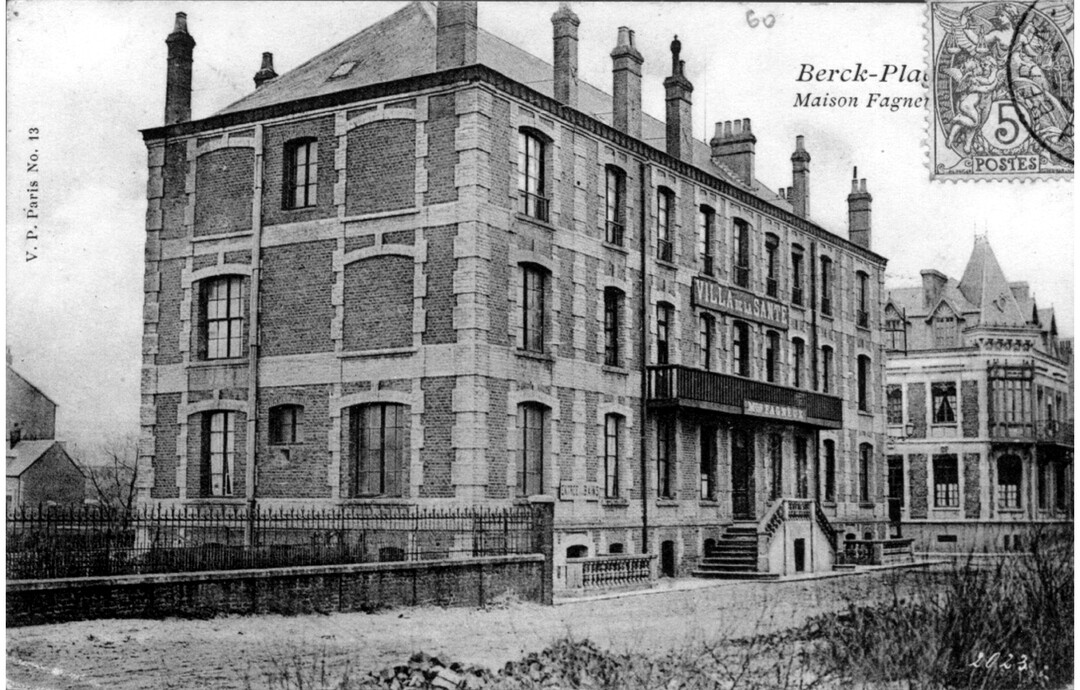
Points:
(1001, 89)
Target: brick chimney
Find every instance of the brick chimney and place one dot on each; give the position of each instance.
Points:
(858, 203)
(733, 146)
(565, 25)
(455, 34)
(178, 73)
(799, 193)
(626, 84)
(933, 282)
(680, 124)
(266, 72)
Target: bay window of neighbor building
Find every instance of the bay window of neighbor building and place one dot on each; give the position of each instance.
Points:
(665, 208)
(864, 383)
(286, 425)
(532, 192)
(219, 453)
(705, 335)
(706, 232)
(894, 411)
(798, 364)
(612, 424)
(826, 285)
(776, 466)
(380, 449)
(740, 348)
(802, 488)
(1009, 473)
(943, 395)
(663, 329)
(946, 482)
(863, 288)
(826, 369)
(741, 258)
(615, 209)
(223, 317)
(830, 470)
(772, 268)
(707, 464)
(866, 455)
(665, 454)
(772, 356)
(613, 301)
(797, 275)
(532, 419)
(301, 173)
(531, 334)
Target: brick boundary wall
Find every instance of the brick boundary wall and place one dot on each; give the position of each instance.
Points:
(298, 590)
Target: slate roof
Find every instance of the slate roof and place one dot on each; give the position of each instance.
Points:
(25, 454)
(910, 301)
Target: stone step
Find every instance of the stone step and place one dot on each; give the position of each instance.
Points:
(733, 567)
(734, 575)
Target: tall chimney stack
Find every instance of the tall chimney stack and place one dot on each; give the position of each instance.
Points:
(626, 84)
(858, 203)
(680, 125)
(455, 34)
(178, 73)
(266, 72)
(565, 29)
(799, 194)
(733, 146)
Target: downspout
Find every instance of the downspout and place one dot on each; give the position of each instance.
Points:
(813, 316)
(253, 339)
(643, 313)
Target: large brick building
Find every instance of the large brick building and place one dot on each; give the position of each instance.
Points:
(426, 267)
(980, 410)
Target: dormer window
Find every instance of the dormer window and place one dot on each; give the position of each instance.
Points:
(343, 70)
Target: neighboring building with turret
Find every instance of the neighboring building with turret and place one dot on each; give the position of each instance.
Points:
(428, 268)
(979, 411)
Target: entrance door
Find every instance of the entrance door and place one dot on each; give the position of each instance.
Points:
(667, 559)
(896, 488)
(742, 475)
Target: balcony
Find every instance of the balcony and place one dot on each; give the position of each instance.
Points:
(680, 386)
(1049, 432)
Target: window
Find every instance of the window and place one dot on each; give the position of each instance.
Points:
(802, 488)
(665, 452)
(830, 470)
(615, 206)
(531, 181)
(665, 206)
(798, 348)
(611, 455)
(863, 287)
(742, 252)
(740, 348)
(945, 330)
(776, 464)
(286, 426)
(380, 448)
(707, 464)
(826, 369)
(1009, 473)
(1043, 477)
(826, 285)
(219, 451)
(530, 465)
(663, 326)
(864, 383)
(772, 356)
(706, 221)
(223, 307)
(895, 334)
(532, 309)
(772, 243)
(705, 341)
(1061, 490)
(866, 455)
(894, 396)
(613, 299)
(301, 173)
(797, 275)
(944, 397)
(946, 482)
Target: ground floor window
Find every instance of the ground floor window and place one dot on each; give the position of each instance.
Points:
(665, 450)
(219, 452)
(380, 449)
(776, 462)
(830, 471)
(530, 464)
(708, 462)
(1061, 490)
(611, 456)
(802, 490)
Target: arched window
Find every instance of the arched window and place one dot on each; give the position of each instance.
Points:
(286, 425)
(1010, 472)
(615, 205)
(221, 317)
(740, 348)
(612, 455)
(772, 356)
(532, 176)
(532, 430)
(772, 264)
(863, 288)
(577, 551)
(218, 453)
(826, 285)
(615, 548)
(379, 446)
(301, 173)
(706, 237)
(613, 301)
(741, 257)
(665, 209)
(864, 383)
(533, 312)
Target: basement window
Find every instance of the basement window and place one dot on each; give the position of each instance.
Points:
(343, 70)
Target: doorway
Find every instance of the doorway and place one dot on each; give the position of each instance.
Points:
(742, 475)
(667, 559)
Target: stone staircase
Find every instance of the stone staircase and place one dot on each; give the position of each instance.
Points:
(734, 557)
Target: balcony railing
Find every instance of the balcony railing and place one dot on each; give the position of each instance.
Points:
(681, 385)
(533, 205)
(614, 233)
(1043, 431)
(609, 571)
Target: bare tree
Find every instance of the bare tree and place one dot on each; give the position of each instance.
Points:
(112, 472)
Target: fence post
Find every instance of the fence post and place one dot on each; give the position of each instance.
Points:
(543, 538)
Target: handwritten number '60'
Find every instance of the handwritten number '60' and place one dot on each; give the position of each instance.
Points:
(768, 20)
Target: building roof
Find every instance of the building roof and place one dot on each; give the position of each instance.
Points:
(910, 301)
(25, 454)
(11, 371)
(984, 285)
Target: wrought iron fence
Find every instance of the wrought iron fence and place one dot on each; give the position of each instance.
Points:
(96, 541)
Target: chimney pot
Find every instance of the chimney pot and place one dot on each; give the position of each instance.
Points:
(455, 34)
(626, 84)
(859, 226)
(266, 71)
(799, 194)
(679, 120)
(746, 124)
(181, 46)
(565, 64)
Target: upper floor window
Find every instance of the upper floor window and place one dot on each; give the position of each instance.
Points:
(532, 182)
(741, 259)
(286, 425)
(863, 287)
(223, 316)
(665, 207)
(380, 449)
(705, 336)
(665, 454)
(943, 394)
(894, 412)
(772, 245)
(531, 335)
(864, 383)
(895, 332)
(945, 329)
(826, 285)
(946, 482)
(1061, 488)
(612, 422)
(866, 454)
(663, 328)
(613, 298)
(826, 369)
(797, 275)
(1010, 470)
(706, 222)
(798, 354)
(219, 452)
(615, 209)
(772, 356)
(532, 420)
(301, 173)
(740, 347)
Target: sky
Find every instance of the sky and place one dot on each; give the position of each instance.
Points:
(88, 75)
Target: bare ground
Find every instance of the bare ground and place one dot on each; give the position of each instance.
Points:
(239, 652)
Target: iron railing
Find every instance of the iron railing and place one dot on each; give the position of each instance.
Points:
(1043, 431)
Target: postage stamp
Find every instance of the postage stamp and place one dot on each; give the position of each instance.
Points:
(1001, 89)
